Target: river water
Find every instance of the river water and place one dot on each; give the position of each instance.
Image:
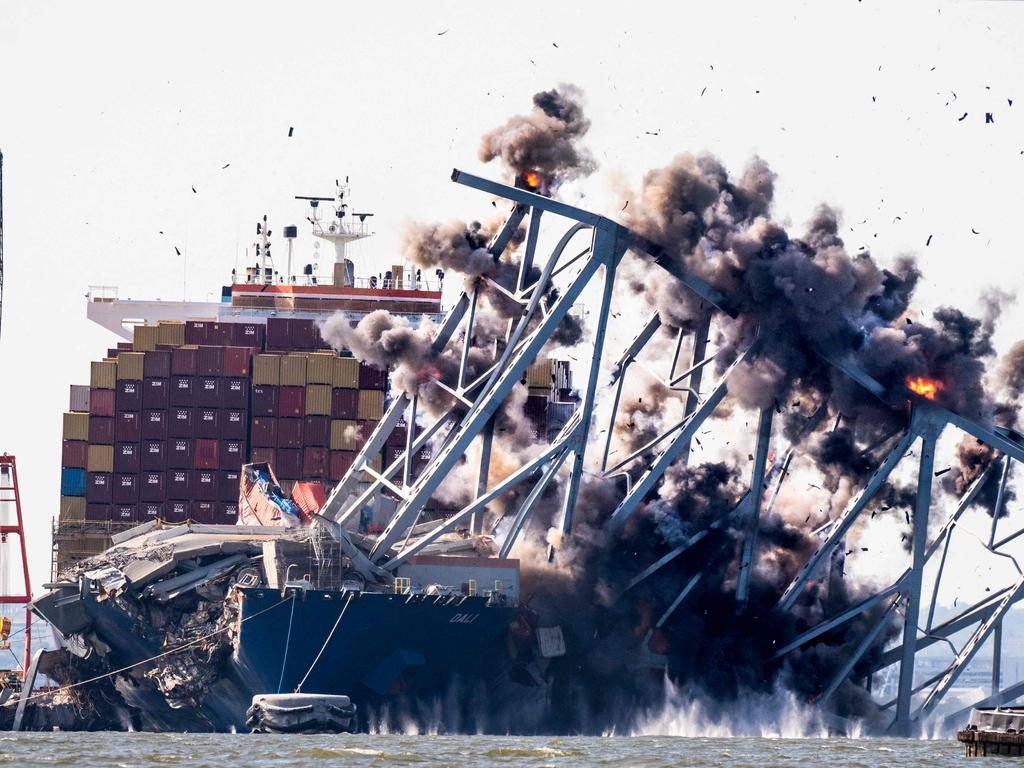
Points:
(89, 750)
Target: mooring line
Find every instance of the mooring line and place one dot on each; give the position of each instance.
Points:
(298, 688)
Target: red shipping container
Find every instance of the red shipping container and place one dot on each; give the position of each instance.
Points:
(101, 430)
(304, 334)
(397, 436)
(151, 510)
(310, 497)
(126, 457)
(234, 393)
(247, 335)
(154, 455)
(178, 484)
(177, 511)
(207, 454)
(218, 334)
(125, 513)
(181, 391)
(125, 489)
(180, 453)
(232, 454)
(371, 377)
(314, 462)
(289, 464)
(157, 365)
(264, 433)
(237, 361)
(234, 424)
(184, 360)
(289, 433)
(196, 332)
(278, 336)
(204, 484)
(227, 485)
(207, 422)
(128, 427)
(154, 425)
(203, 511)
(155, 394)
(128, 395)
(316, 431)
(101, 402)
(181, 422)
(97, 487)
(339, 463)
(74, 453)
(210, 361)
(152, 486)
(226, 513)
(97, 512)
(291, 402)
(264, 456)
(125, 346)
(264, 400)
(207, 391)
(344, 403)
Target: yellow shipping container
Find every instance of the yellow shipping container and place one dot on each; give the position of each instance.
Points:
(346, 373)
(318, 399)
(377, 464)
(76, 426)
(371, 405)
(293, 370)
(144, 338)
(103, 375)
(129, 366)
(540, 392)
(100, 458)
(266, 370)
(320, 368)
(344, 435)
(72, 509)
(539, 374)
(170, 332)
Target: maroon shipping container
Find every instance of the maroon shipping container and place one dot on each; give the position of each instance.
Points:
(210, 361)
(101, 402)
(154, 455)
(181, 391)
(232, 454)
(155, 394)
(125, 489)
(218, 334)
(344, 403)
(204, 484)
(234, 393)
(264, 433)
(180, 453)
(277, 333)
(371, 377)
(127, 458)
(151, 510)
(304, 334)
(247, 335)
(207, 422)
(237, 361)
(316, 430)
(234, 423)
(151, 486)
(196, 332)
(227, 485)
(184, 360)
(264, 456)
(207, 391)
(127, 395)
(207, 454)
(178, 484)
(74, 453)
(97, 487)
(127, 427)
(154, 425)
(125, 346)
(181, 422)
(97, 512)
(226, 513)
(125, 513)
(397, 437)
(157, 365)
(340, 461)
(264, 400)
(289, 433)
(289, 464)
(203, 511)
(101, 430)
(177, 511)
(291, 402)
(314, 462)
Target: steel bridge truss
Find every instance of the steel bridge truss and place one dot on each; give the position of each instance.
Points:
(475, 400)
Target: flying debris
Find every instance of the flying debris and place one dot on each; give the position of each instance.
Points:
(962, 117)
(226, 165)
(442, 32)
(290, 131)
(928, 242)
(989, 118)
(194, 191)
(177, 251)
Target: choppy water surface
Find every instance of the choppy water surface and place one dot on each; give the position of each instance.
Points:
(86, 750)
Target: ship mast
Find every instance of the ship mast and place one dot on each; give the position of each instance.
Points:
(345, 227)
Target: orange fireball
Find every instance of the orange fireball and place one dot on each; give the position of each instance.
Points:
(532, 179)
(925, 387)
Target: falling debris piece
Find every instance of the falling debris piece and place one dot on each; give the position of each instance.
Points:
(962, 117)
(290, 131)
(624, 206)
(194, 190)
(928, 241)
(989, 118)
(226, 165)
(653, 133)
(702, 90)
(555, 44)
(444, 32)
(177, 251)
(941, 472)
(975, 231)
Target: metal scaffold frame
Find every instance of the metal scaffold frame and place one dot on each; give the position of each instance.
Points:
(9, 494)
(475, 401)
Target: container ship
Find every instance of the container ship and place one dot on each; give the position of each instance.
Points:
(194, 465)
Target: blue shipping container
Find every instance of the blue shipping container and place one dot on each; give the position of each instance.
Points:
(72, 482)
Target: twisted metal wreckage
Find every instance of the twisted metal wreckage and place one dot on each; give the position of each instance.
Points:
(475, 402)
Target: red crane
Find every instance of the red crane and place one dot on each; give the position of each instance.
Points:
(10, 501)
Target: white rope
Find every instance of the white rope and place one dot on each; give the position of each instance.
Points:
(298, 688)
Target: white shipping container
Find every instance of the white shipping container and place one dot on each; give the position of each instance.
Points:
(79, 400)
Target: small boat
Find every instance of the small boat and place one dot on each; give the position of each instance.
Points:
(301, 713)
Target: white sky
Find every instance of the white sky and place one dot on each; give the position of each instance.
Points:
(108, 119)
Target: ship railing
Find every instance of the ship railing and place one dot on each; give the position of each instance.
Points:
(102, 293)
(352, 229)
(361, 282)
